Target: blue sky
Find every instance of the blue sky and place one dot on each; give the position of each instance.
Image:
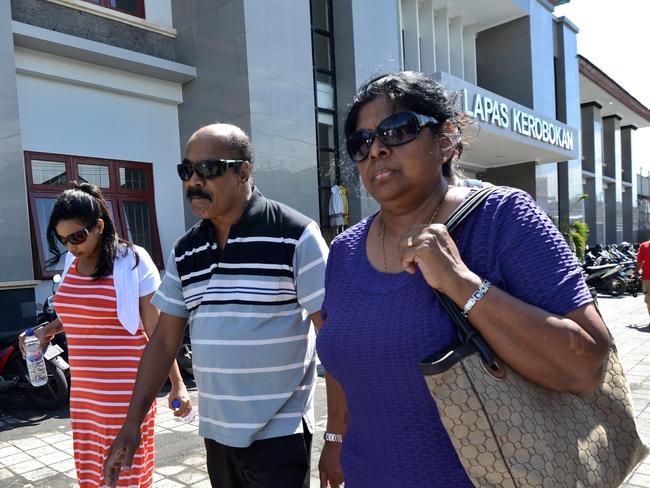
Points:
(614, 36)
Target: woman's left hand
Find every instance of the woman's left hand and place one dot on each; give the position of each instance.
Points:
(431, 249)
(179, 392)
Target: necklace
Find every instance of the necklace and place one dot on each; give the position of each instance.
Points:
(383, 228)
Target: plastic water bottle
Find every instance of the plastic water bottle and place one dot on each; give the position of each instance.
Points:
(188, 417)
(34, 358)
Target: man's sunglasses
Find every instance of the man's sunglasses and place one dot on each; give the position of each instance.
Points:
(76, 238)
(209, 168)
(394, 130)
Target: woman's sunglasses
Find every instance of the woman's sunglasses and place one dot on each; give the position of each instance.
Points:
(210, 168)
(76, 238)
(394, 130)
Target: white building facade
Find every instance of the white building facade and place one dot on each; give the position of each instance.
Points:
(79, 105)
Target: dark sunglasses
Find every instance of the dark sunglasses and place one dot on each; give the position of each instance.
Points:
(76, 238)
(394, 130)
(210, 168)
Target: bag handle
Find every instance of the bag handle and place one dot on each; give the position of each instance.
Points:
(468, 205)
(470, 340)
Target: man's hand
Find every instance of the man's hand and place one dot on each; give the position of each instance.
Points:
(155, 364)
(179, 392)
(329, 465)
(120, 455)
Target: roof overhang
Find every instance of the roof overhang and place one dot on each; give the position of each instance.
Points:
(483, 14)
(596, 86)
(509, 133)
(85, 50)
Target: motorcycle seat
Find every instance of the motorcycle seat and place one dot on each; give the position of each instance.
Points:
(10, 337)
(601, 267)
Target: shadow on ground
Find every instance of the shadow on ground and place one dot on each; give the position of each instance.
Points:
(640, 327)
(17, 406)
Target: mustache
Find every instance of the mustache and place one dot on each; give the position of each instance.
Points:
(197, 193)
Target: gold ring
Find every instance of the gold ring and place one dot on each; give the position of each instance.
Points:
(409, 241)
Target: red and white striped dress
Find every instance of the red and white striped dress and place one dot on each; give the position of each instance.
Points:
(104, 359)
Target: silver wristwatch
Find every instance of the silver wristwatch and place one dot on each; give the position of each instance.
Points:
(331, 437)
(476, 296)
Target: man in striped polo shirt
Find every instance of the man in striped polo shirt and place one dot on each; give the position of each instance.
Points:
(249, 280)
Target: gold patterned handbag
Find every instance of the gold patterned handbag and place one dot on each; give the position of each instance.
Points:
(510, 432)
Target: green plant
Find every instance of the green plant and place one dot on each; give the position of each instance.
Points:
(576, 232)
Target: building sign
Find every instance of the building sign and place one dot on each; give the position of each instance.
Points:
(500, 114)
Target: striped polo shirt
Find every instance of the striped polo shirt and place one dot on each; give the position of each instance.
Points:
(248, 306)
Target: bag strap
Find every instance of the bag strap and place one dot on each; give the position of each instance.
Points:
(468, 335)
(470, 204)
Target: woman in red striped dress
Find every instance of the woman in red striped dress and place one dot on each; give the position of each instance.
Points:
(103, 306)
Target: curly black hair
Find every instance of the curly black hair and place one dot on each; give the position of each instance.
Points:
(84, 202)
(415, 92)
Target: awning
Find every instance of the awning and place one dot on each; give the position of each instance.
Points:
(509, 133)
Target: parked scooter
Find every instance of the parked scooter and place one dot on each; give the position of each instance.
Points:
(628, 255)
(610, 269)
(633, 281)
(13, 373)
(607, 278)
(184, 357)
(48, 314)
(13, 368)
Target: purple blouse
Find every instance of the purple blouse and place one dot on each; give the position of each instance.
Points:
(378, 326)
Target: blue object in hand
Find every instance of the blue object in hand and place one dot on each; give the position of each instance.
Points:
(188, 417)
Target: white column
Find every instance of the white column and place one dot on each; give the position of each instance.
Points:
(441, 26)
(469, 52)
(456, 47)
(411, 34)
(427, 37)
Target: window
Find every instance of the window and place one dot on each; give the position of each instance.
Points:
(320, 15)
(127, 187)
(322, 51)
(329, 171)
(132, 7)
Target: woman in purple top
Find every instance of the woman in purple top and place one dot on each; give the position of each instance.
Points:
(381, 317)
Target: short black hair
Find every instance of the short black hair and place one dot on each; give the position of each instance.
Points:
(240, 141)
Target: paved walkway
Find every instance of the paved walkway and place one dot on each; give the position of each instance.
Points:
(627, 319)
(43, 459)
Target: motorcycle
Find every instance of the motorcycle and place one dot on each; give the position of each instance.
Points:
(48, 314)
(184, 356)
(13, 373)
(610, 269)
(628, 256)
(607, 278)
(13, 368)
(633, 281)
